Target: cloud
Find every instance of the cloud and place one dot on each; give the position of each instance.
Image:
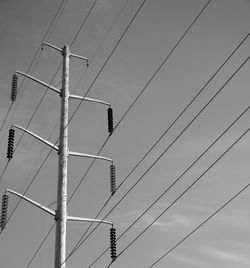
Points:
(226, 256)
(187, 260)
(165, 223)
(236, 218)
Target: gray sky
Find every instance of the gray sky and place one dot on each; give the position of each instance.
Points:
(224, 241)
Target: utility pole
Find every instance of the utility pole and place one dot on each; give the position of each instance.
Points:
(61, 212)
(60, 215)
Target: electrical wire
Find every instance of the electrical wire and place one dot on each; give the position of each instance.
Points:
(180, 176)
(32, 65)
(93, 161)
(102, 42)
(57, 123)
(41, 100)
(199, 226)
(177, 137)
(37, 55)
(183, 193)
(41, 244)
(83, 23)
(41, 153)
(144, 88)
(168, 56)
(99, 73)
(5, 117)
(165, 132)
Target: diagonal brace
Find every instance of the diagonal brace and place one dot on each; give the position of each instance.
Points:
(51, 212)
(38, 137)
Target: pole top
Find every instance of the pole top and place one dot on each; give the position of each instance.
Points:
(65, 50)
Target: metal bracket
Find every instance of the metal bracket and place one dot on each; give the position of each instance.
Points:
(38, 137)
(40, 82)
(51, 212)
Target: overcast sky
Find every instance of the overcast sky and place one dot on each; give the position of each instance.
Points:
(223, 242)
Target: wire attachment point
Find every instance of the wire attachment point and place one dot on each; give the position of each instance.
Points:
(110, 121)
(13, 88)
(10, 148)
(113, 244)
(112, 179)
(4, 211)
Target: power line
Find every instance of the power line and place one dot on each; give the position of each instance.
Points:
(168, 147)
(199, 226)
(41, 100)
(98, 74)
(32, 64)
(144, 88)
(170, 53)
(83, 23)
(103, 40)
(40, 245)
(105, 142)
(165, 132)
(180, 176)
(110, 55)
(183, 193)
(37, 54)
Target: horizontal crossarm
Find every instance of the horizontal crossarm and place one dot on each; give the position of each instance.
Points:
(88, 99)
(70, 218)
(90, 156)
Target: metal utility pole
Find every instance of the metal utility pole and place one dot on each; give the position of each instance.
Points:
(61, 212)
(60, 215)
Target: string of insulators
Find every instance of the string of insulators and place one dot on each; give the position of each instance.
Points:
(13, 88)
(113, 244)
(10, 143)
(4, 210)
(112, 179)
(110, 121)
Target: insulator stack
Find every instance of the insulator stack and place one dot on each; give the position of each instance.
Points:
(113, 244)
(4, 210)
(110, 121)
(13, 88)
(10, 143)
(112, 179)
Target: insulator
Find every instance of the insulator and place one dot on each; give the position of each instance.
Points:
(10, 148)
(113, 243)
(110, 121)
(13, 88)
(112, 179)
(4, 210)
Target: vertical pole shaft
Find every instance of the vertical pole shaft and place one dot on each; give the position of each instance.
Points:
(61, 212)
